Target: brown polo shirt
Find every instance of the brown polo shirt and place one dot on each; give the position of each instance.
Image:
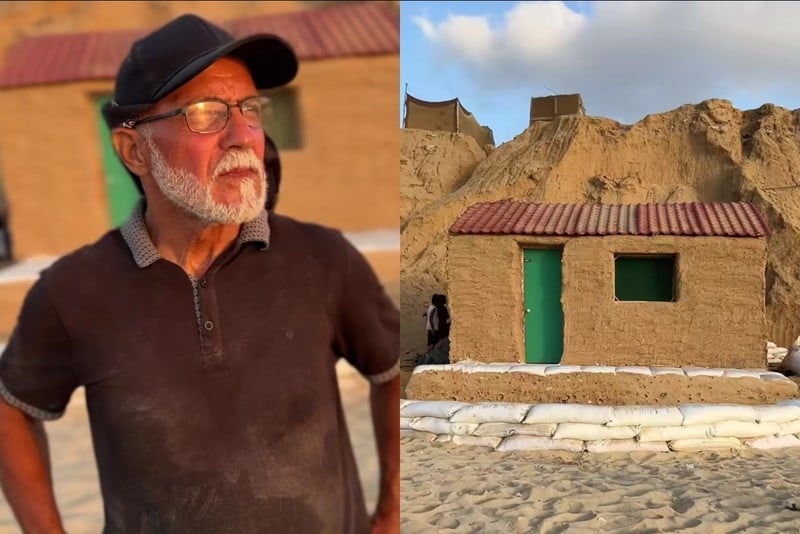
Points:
(213, 403)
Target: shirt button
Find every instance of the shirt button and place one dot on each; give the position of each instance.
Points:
(203, 282)
(209, 326)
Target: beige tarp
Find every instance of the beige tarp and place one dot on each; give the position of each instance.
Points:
(448, 116)
(545, 108)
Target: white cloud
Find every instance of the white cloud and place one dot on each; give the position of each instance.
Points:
(628, 59)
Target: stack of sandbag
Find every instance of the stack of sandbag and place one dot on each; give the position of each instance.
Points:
(579, 427)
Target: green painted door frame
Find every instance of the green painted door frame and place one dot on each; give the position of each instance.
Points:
(544, 317)
(121, 192)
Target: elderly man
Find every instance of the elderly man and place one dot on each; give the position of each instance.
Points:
(205, 330)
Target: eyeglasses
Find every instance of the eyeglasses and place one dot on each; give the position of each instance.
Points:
(212, 115)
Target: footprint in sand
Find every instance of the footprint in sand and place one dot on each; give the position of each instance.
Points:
(682, 505)
(448, 524)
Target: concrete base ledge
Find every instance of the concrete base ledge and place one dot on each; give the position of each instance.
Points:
(552, 369)
(590, 428)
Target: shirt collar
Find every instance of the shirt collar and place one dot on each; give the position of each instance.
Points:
(136, 236)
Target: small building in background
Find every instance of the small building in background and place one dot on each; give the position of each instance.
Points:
(674, 285)
(546, 108)
(445, 116)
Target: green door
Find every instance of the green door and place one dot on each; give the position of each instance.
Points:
(544, 318)
(120, 189)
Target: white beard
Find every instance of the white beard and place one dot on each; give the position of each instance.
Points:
(183, 188)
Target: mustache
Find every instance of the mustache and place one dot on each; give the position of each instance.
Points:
(237, 159)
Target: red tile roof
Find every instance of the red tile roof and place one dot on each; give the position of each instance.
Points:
(361, 29)
(729, 219)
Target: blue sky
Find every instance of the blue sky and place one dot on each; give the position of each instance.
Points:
(627, 59)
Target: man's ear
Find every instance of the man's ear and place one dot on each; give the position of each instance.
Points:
(130, 147)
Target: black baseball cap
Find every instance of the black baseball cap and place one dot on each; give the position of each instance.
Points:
(170, 56)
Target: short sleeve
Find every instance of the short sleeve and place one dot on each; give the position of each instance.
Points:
(369, 322)
(36, 371)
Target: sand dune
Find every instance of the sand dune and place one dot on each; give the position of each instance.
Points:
(449, 488)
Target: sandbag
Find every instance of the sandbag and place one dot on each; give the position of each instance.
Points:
(442, 426)
(790, 427)
(443, 438)
(696, 414)
(495, 412)
(703, 371)
(777, 414)
(635, 369)
(510, 429)
(671, 433)
(645, 416)
(656, 371)
(588, 432)
(405, 423)
(530, 368)
(773, 442)
(538, 443)
(437, 367)
(705, 444)
(487, 368)
(404, 403)
(427, 436)
(477, 441)
(740, 429)
(608, 369)
(742, 373)
(560, 369)
(625, 445)
(568, 413)
(441, 409)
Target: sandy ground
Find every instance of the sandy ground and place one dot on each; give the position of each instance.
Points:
(75, 473)
(450, 488)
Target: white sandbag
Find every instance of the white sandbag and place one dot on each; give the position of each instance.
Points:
(772, 376)
(777, 414)
(538, 443)
(705, 444)
(703, 371)
(441, 409)
(645, 416)
(635, 369)
(405, 423)
(739, 429)
(791, 361)
(656, 371)
(438, 367)
(697, 414)
(560, 369)
(427, 436)
(442, 426)
(568, 413)
(477, 441)
(530, 368)
(671, 433)
(606, 369)
(404, 403)
(773, 442)
(495, 412)
(788, 428)
(625, 445)
(788, 402)
(778, 351)
(742, 373)
(503, 430)
(487, 368)
(771, 345)
(587, 432)
(443, 438)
